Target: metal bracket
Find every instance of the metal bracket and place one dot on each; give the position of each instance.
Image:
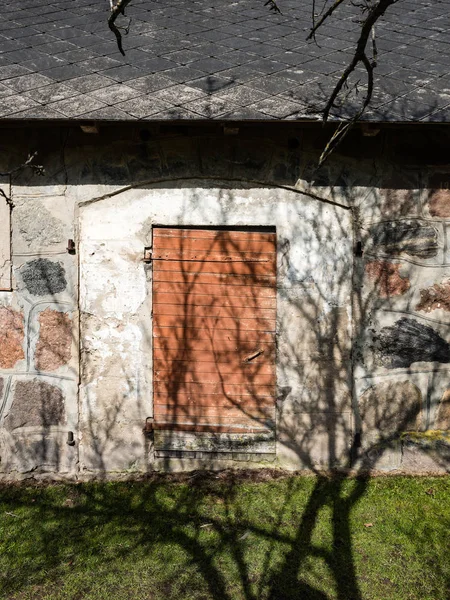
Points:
(71, 247)
(254, 355)
(147, 255)
(148, 427)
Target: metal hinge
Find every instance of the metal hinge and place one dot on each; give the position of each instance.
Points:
(147, 255)
(148, 427)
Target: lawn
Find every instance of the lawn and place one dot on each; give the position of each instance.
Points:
(224, 536)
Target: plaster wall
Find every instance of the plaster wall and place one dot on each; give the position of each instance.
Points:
(362, 302)
(313, 311)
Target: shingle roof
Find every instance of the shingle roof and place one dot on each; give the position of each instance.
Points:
(214, 59)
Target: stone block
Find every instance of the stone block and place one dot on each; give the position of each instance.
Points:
(37, 451)
(398, 195)
(284, 168)
(11, 337)
(443, 412)
(315, 439)
(408, 341)
(437, 394)
(389, 408)
(393, 195)
(43, 277)
(36, 404)
(425, 453)
(250, 161)
(396, 238)
(439, 203)
(55, 339)
(379, 455)
(435, 297)
(438, 197)
(386, 278)
(181, 157)
(425, 283)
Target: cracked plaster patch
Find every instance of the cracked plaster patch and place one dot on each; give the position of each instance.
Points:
(36, 225)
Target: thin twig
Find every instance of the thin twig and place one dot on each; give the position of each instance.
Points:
(374, 13)
(27, 163)
(360, 56)
(324, 17)
(38, 169)
(272, 4)
(344, 128)
(8, 200)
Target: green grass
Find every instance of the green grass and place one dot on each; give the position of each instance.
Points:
(228, 537)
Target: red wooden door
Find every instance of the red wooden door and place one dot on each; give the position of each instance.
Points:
(214, 311)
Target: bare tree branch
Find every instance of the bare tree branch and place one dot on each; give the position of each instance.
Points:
(272, 4)
(374, 12)
(116, 10)
(38, 169)
(324, 17)
(375, 9)
(8, 200)
(360, 56)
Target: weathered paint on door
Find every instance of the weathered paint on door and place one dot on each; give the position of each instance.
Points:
(214, 312)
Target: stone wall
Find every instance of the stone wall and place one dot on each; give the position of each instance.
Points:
(402, 346)
(362, 299)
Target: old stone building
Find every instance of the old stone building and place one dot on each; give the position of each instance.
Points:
(181, 286)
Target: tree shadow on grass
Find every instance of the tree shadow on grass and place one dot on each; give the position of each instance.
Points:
(205, 535)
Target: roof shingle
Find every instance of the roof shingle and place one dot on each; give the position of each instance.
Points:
(211, 59)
